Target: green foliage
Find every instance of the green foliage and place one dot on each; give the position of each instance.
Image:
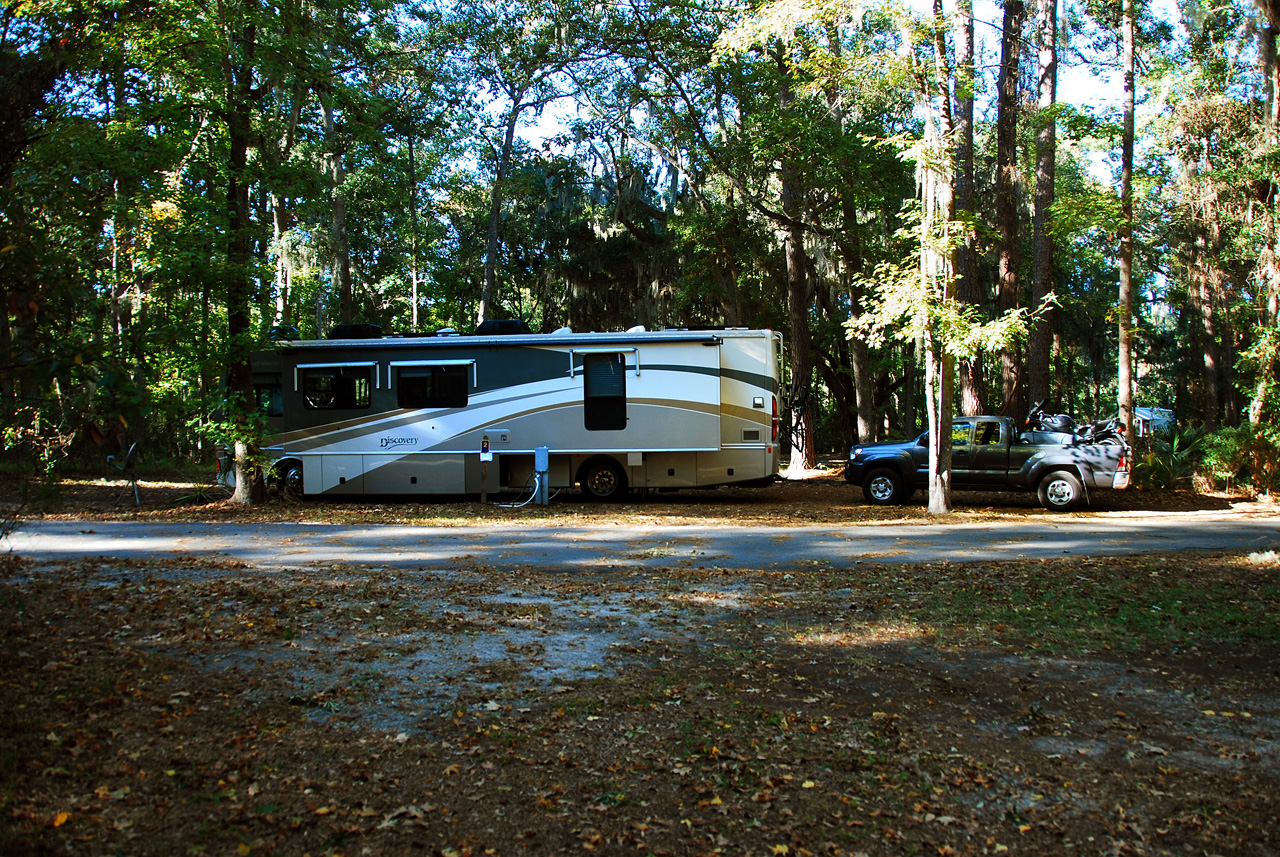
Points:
(659, 204)
(1170, 458)
(1262, 359)
(1244, 455)
(906, 304)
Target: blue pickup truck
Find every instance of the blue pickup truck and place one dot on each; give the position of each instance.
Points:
(994, 454)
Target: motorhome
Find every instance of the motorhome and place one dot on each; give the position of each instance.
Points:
(360, 413)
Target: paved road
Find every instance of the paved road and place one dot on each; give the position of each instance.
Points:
(292, 545)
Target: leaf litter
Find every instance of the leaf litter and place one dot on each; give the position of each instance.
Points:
(1074, 706)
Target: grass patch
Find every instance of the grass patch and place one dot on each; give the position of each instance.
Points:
(1075, 605)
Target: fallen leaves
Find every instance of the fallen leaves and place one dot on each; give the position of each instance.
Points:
(432, 710)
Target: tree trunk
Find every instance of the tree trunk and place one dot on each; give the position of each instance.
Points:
(1200, 291)
(864, 429)
(1009, 295)
(910, 377)
(837, 374)
(290, 113)
(863, 390)
(968, 288)
(413, 239)
(338, 224)
(1125, 303)
(938, 270)
(1268, 346)
(284, 265)
(485, 309)
(939, 393)
(1040, 340)
(803, 450)
(238, 78)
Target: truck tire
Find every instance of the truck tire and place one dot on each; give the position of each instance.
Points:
(603, 479)
(883, 487)
(1061, 491)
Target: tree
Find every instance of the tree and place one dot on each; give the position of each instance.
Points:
(1009, 289)
(1266, 352)
(914, 299)
(803, 452)
(1039, 341)
(789, 161)
(968, 288)
(519, 53)
(938, 251)
(237, 23)
(1126, 299)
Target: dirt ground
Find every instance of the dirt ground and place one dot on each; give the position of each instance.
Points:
(1075, 706)
(820, 497)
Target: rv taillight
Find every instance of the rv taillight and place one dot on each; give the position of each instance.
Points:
(775, 419)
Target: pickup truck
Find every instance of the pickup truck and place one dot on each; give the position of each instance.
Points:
(994, 454)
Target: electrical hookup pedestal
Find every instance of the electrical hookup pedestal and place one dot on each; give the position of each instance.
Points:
(486, 455)
(541, 464)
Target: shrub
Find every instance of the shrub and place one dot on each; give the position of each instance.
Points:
(1248, 454)
(1170, 457)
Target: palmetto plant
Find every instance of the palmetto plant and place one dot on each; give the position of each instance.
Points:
(1172, 456)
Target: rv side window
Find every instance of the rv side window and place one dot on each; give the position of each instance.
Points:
(339, 388)
(432, 386)
(604, 390)
(270, 398)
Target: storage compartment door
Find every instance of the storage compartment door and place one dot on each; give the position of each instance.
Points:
(341, 474)
(415, 474)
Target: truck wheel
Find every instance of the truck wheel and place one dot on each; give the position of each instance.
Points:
(603, 479)
(883, 487)
(1061, 491)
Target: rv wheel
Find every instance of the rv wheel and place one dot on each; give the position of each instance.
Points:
(293, 480)
(287, 478)
(603, 479)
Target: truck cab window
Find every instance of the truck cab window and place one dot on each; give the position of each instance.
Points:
(338, 388)
(604, 392)
(988, 433)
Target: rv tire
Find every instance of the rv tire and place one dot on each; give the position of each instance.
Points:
(603, 479)
(286, 478)
(291, 479)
